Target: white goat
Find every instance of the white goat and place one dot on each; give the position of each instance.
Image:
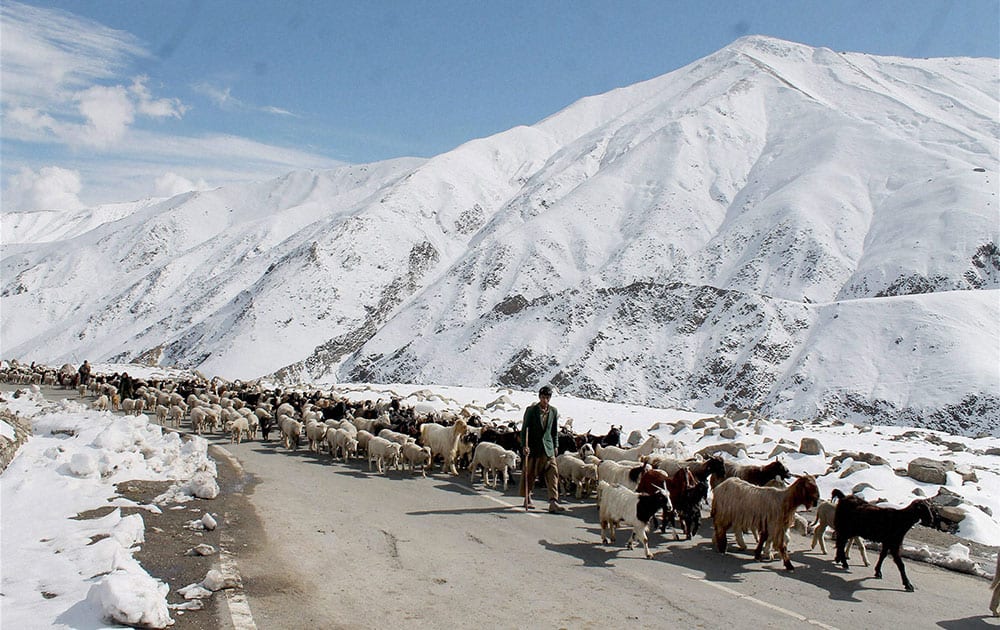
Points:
(615, 453)
(617, 504)
(443, 441)
(618, 473)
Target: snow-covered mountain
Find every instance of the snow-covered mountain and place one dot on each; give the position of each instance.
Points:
(777, 227)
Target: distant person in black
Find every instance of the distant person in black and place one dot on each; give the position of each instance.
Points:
(84, 373)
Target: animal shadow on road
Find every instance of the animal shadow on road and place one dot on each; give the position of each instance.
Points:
(969, 622)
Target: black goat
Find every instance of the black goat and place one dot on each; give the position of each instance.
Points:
(856, 517)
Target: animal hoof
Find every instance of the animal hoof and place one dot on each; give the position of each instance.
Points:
(909, 588)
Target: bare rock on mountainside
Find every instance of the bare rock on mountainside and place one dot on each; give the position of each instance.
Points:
(774, 228)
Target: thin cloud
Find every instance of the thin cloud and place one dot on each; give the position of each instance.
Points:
(56, 69)
(222, 97)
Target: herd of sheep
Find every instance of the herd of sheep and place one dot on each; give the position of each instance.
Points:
(631, 484)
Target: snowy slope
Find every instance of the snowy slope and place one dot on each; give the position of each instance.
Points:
(776, 227)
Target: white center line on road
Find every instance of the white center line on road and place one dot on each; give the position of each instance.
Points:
(760, 602)
(510, 505)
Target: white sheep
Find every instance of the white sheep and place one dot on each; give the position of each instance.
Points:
(239, 429)
(395, 436)
(341, 442)
(573, 470)
(382, 451)
(443, 441)
(617, 504)
(315, 433)
(200, 419)
(175, 413)
(414, 455)
(363, 437)
(290, 432)
(494, 459)
(102, 402)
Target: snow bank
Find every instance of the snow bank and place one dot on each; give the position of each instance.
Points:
(84, 569)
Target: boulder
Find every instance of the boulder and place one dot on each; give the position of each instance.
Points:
(810, 446)
(868, 458)
(928, 470)
(781, 449)
(853, 468)
(967, 473)
(729, 434)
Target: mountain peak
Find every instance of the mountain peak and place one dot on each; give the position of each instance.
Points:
(774, 227)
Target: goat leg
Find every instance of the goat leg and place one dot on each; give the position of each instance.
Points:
(881, 558)
(902, 571)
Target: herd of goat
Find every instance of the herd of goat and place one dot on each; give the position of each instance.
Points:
(632, 485)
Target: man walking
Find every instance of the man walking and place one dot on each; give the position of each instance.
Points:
(539, 437)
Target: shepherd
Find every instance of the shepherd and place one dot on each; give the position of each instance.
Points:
(539, 436)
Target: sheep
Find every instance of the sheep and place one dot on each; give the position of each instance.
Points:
(175, 413)
(239, 429)
(161, 413)
(621, 473)
(290, 432)
(573, 470)
(102, 402)
(199, 419)
(316, 434)
(740, 505)
(363, 437)
(414, 455)
(824, 518)
(618, 504)
(493, 458)
(443, 441)
(344, 442)
(856, 517)
(382, 451)
(615, 453)
(395, 436)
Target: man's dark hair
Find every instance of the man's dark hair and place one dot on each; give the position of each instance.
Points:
(545, 391)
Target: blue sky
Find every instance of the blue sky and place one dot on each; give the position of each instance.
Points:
(117, 100)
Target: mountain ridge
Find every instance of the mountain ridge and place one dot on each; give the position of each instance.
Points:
(680, 241)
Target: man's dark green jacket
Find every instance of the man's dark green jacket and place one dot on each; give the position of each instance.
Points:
(540, 438)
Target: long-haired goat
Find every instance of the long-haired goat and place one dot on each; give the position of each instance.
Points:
(856, 517)
(740, 505)
(757, 474)
(443, 441)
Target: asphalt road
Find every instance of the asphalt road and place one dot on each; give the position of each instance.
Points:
(346, 548)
